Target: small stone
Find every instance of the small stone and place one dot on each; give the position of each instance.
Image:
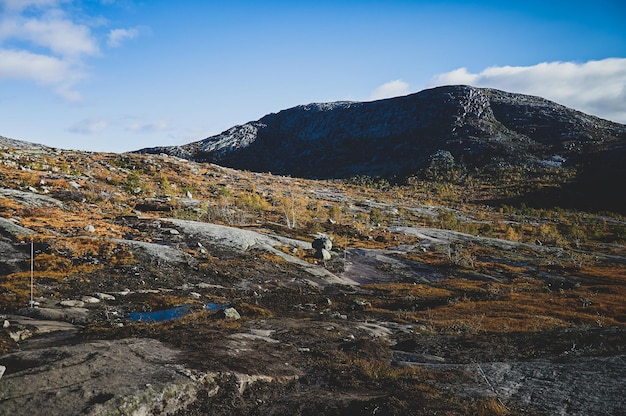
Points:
(90, 299)
(174, 232)
(72, 303)
(230, 313)
(2, 370)
(6, 324)
(90, 229)
(104, 296)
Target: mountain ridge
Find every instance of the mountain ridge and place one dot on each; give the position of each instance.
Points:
(325, 141)
(437, 133)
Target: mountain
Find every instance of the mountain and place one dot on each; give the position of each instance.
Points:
(455, 127)
(400, 136)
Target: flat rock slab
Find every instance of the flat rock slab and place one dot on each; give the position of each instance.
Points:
(40, 326)
(130, 376)
(71, 314)
(585, 386)
(30, 199)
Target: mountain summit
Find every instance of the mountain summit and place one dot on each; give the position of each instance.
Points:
(400, 136)
(476, 129)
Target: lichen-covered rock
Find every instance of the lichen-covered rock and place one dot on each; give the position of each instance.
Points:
(229, 313)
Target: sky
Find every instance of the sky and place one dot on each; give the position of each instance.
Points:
(121, 75)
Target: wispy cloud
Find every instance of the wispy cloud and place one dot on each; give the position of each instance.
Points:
(390, 89)
(18, 5)
(151, 127)
(20, 64)
(49, 42)
(594, 87)
(89, 126)
(118, 36)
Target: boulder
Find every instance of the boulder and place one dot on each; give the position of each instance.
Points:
(322, 241)
(229, 313)
(322, 254)
(322, 245)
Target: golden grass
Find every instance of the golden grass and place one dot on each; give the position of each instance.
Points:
(521, 304)
(418, 291)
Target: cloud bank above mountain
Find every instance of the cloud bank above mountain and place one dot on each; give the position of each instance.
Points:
(595, 87)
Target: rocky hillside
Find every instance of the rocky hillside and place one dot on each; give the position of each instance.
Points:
(445, 131)
(171, 287)
(18, 144)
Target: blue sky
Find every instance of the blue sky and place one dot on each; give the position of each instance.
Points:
(120, 75)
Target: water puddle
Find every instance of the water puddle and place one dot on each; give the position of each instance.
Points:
(172, 313)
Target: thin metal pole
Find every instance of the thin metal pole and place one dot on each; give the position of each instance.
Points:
(32, 272)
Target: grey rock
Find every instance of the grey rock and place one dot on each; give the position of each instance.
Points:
(71, 303)
(322, 241)
(230, 313)
(322, 245)
(30, 199)
(8, 226)
(104, 296)
(125, 377)
(322, 254)
(90, 299)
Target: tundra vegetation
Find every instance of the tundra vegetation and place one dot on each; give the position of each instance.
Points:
(500, 282)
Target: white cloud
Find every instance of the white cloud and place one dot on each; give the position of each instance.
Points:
(118, 36)
(18, 64)
(89, 126)
(18, 5)
(390, 89)
(49, 42)
(40, 42)
(594, 87)
(148, 127)
(59, 35)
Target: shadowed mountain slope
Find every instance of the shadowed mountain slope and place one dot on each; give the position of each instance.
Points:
(399, 137)
(452, 128)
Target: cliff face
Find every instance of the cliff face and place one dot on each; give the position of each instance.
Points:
(399, 137)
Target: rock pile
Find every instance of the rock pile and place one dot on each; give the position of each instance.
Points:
(322, 245)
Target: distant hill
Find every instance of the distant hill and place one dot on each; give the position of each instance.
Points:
(19, 144)
(476, 129)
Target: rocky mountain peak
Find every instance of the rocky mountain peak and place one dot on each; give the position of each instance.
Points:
(395, 137)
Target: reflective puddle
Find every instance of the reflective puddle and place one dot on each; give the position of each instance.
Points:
(172, 313)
